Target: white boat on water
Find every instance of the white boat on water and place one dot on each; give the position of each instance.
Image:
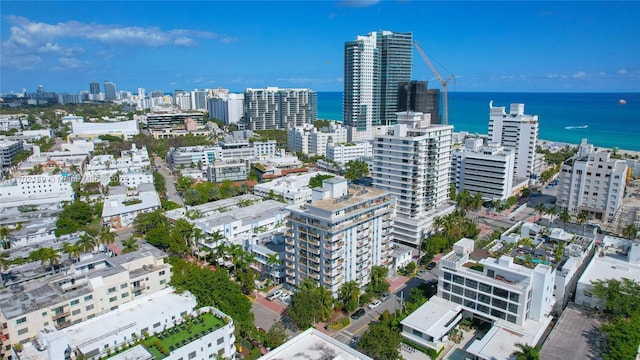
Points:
(622, 102)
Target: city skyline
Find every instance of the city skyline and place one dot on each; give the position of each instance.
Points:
(489, 46)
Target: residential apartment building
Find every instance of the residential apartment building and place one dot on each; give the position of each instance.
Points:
(487, 170)
(161, 121)
(374, 66)
(232, 170)
(227, 151)
(274, 108)
(36, 190)
(121, 207)
(126, 129)
(518, 132)
(343, 153)
(413, 163)
(8, 150)
(615, 258)
(209, 334)
(227, 108)
(94, 285)
(312, 141)
(109, 91)
(339, 236)
(592, 182)
(15, 121)
(293, 188)
(514, 299)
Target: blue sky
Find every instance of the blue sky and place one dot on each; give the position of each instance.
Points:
(515, 46)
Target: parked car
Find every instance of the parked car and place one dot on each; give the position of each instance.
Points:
(431, 265)
(276, 294)
(358, 314)
(421, 272)
(286, 297)
(374, 304)
(385, 296)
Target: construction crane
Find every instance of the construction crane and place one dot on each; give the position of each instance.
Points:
(445, 103)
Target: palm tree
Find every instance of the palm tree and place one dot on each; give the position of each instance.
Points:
(349, 294)
(582, 219)
(129, 245)
(540, 208)
(86, 243)
(526, 352)
(272, 261)
(48, 255)
(630, 231)
(106, 236)
(237, 254)
(5, 262)
(438, 223)
(197, 236)
(552, 211)
(326, 302)
(4, 237)
(565, 217)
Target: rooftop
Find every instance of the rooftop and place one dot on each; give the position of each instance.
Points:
(355, 195)
(313, 344)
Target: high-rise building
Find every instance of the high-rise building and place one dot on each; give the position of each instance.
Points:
(518, 132)
(199, 99)
(339, 236)
(274, 108)
(227, 108)
(109, 90)
(182, 100)
(374, 65)
(592, 182)
(94, 88)
(415, 96)
(413, 163)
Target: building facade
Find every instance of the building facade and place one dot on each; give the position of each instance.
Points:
(275, 108)
(413, 163)
(592, 182)
(487, 170)
(8, 150)
(343, 153)
(233, 170)
(339, 236)
(415, 96)
(109, 91)
(518, 132)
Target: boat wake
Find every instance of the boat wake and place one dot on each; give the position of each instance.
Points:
(576, 127)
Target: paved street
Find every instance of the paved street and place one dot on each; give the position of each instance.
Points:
(172, 193)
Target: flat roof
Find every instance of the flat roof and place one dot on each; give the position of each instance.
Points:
(610, 266)
(573, 336)
(246, 215)
(432, 316)
(113, 205)
(313, 344)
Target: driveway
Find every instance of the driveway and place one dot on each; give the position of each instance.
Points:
(172, 193)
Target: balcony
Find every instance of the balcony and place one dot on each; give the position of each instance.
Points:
(315, 276)
(314, 267)
(288, 233)
(291, 280)
(290, 272)
(314, 242)
(290, 257)
(62, 325)
(60, 315)
(289, 249)
(314, 251)
(315, 259)
(138, 286)
(289, 241)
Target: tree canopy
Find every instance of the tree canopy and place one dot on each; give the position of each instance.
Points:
(73, 217)
(356, 169)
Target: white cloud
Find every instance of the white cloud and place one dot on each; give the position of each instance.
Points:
(27, 38)
(580, 74)
(622, 72)
(70, 63)
(358, 3)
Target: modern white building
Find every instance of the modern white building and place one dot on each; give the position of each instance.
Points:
(121, 207)
(293, 188)
(275, 108)
(413, 163)
(515, 300)
(207, 155)
(592, 182)
(343, 153)
(164, 312)
(616, 259)
(128, 129)
(518, 132)
(313, 344)
(487, 170)
(8, 150)
(37, 134)
(14, 121)
(72, 119)
(232, 170)
(339, 236)
(227, 108)
(312, 141)
(92, 286)
(36, 190)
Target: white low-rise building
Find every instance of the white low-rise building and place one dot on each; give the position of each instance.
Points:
(293, 188)
(311, 141)
(161, 316)
(36, 190)
(343, 153)
(13, 121)
(72, 119)
(128, 129)
(121, 207)
(616, 259)
(313, 344)
(514, 299)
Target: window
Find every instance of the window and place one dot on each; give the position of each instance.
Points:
(123, 286)
(458, 279)
(23, 331)
(220, 341)
(470, 294)
(457, 290)
(75, 312)
(447, 276)
(88, 297)
(471, 283)
(446, 286)
(113, 299)
(163, 281)
(156, 325)
(161, 273)
(511, 318)
(192, 355)
(498, 313)
(483, 308)
(74, 302)
(500, 304)
(485, 288)
(513, 308)
(44, 313)
(500, 292)
(124, 295)
(514, 297)
(22, 320)
(110, 290)
(484, 298)
(456, 299)
(89, 307)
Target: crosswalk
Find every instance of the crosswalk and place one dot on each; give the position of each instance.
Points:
(344, 337)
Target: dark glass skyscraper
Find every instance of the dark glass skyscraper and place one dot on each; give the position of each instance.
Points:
(396, 51)
(94, 88)
(415, 96)
(109, 90)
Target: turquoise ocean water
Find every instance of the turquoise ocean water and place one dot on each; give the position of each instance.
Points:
(563, 117)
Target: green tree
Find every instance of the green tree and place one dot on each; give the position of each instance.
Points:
(105, 236)
(356, 169)
(276, 336)
(129, 245)
(47, 256)
(622, 337)
(86, 243)
(380, 341)
(184, 183)
(349, 294)
(316, 181)
(73, 217)
(630, 231)
(378, 283)
(273, 260)
(541, 209)
(565, 217)
(526, 352)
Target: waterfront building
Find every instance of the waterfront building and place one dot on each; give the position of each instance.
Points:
(339, 236)
(516, 301)
(413, 163)
(199, 99)
(183, 100)
(615, 258)
(109, 90)
(415, 96)
(518, 132)
(275, 108)
(207, 332)
(487, 170)
(35, 300)
(592, 182)
(374, 66)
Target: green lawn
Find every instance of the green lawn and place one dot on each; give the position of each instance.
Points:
(174, 336)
